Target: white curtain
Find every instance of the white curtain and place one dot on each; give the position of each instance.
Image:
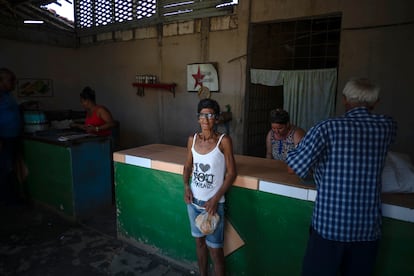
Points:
(309, 95)
(266, 77)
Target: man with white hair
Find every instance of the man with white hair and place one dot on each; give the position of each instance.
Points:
(346, 156)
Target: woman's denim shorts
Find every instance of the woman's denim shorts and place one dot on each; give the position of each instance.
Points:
(214, 240)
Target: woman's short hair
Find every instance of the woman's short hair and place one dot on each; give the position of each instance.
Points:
(88, 94)
(209, 103)
(279, 116)
(361, 91)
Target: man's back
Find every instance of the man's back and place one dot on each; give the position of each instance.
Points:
(347, 154)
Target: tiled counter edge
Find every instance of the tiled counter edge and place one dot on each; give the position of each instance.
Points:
(388, 210)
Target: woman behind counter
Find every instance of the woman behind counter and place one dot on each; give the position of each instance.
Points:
(98, 119)
(283, 136)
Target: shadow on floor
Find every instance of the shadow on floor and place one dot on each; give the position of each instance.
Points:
(35, 241)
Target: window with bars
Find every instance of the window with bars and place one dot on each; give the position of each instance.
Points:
(297, 45)
(95, 13)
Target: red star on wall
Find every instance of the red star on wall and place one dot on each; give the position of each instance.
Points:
(198, 78)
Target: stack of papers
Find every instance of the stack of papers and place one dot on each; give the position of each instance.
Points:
(73, 136)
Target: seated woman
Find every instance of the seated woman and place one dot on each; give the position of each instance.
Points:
(283, 136)
(98, 119)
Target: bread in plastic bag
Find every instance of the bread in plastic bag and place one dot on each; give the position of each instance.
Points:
(207, 223)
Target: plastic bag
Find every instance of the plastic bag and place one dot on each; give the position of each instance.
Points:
(207, 223)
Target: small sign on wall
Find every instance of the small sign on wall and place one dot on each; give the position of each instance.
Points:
(34, 88)
(202, 75)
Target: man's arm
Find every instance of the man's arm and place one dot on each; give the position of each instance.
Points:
(302, 158)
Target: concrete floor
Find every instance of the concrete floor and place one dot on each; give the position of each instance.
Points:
(35, 241)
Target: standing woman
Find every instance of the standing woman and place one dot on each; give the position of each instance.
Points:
(283, 136)
(211, 168)
(98, 119)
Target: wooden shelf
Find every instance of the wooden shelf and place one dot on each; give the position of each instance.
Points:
(166, 86)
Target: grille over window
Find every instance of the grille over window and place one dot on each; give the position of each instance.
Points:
(146, 8)
(95, 13)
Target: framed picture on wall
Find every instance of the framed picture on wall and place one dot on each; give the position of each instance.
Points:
(34, 88)
(201, 75)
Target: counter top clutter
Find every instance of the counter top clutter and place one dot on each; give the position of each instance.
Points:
(40, 120)
(34, 120)
(253, 173)
(63, 136)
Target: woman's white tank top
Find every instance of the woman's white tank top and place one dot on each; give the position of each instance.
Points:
(208, 172)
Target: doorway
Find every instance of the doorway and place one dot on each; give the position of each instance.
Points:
(309, 43)
(262, 99)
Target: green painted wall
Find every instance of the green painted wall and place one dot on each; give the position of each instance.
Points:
(49, 164)
(274, 229)
(151, 210)
(74, 179)
(396, 253)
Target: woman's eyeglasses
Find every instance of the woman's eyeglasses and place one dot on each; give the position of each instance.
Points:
(208, 116)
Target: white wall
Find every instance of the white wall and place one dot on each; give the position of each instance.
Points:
(38, 61)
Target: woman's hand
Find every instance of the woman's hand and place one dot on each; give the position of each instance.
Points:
(80, 126)
(211, 206)
(74, 125)
(188, 194)
(90, 129)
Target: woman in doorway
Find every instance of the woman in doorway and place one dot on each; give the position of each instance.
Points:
(283, 136)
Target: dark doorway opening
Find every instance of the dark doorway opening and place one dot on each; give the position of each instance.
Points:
(310, 43)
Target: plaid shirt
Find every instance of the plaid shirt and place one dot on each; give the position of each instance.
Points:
(347, 156)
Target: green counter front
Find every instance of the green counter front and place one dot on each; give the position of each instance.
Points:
(73, 178)
(268, 214)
